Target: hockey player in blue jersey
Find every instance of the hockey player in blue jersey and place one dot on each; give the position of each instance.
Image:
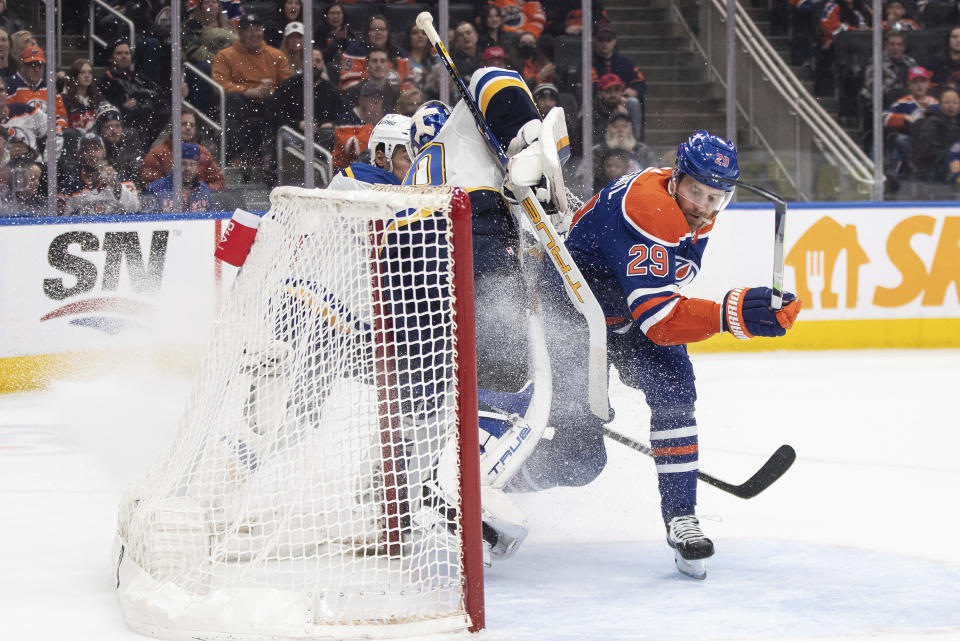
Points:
(638, 242)
(390, 155)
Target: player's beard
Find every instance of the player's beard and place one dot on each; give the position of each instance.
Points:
(627, 142)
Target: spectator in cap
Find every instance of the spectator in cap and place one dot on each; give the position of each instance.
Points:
(143, 105)
(547, 96)
(275, 24)
(618, 136)
(611, 101)
(249, 70)
(124, 146)
(29, 85)
(196, 195)
(30, 119)
(933, 136)
(495, 57)
(159, 161)
(96, 189)
(206, 31)
(292, 45)
(899, 122)
(607, 60)
(489, 25)
(465, 51)
(352, 129)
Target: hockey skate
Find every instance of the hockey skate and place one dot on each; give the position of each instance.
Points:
(691, 548)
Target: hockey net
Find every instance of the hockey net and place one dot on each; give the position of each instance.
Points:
(294, 501)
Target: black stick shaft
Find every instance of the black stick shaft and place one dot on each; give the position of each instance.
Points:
(769, 472)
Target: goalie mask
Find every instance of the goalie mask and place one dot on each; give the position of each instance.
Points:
(392, 131)
(426, 124)
(710, 160)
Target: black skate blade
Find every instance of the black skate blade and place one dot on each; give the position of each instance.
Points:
(693, 568)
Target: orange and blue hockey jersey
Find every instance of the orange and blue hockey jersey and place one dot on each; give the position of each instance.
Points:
(895, 116)
(634, 247)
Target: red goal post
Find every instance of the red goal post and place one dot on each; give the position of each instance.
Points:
(294, 501)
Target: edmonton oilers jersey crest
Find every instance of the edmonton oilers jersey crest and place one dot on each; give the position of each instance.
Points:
(686, 270)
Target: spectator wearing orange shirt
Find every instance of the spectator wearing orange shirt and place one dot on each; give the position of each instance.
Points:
(159, 161)
(249, 70)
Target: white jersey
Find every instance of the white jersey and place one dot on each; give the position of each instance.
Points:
(460, 156)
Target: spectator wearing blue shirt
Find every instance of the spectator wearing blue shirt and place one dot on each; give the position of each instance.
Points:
(196, 194)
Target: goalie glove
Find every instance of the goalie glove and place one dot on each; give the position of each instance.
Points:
(746, 313)
(535, 153)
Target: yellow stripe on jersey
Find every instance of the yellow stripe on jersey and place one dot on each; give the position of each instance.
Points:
(489, 90)
(348, 172)
(403, 221)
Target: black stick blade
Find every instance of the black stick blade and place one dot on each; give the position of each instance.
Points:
(775, 467)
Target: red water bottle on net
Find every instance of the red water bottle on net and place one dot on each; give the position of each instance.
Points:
(237, 238)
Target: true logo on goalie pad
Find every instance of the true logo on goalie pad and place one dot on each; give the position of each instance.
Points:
(510, 451)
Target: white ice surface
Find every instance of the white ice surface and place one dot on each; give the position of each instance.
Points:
(858, 541)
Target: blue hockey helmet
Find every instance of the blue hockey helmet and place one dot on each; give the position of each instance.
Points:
(709, 159)
(426, 123)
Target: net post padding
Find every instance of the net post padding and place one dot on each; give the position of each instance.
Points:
(292, 502)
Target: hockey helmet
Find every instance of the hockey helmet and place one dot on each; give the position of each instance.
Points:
(391, 131)
(426, 123)
(709, 159)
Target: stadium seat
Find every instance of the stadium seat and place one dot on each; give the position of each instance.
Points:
(401, 16)
(261, 8)
(460, 12)
(357, 14)
(927, 45)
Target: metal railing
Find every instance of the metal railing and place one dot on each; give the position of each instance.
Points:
(95, 39)
(219, 125)
(323, 160)
(813, 129)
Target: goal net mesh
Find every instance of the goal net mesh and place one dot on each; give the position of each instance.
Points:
(292, 502)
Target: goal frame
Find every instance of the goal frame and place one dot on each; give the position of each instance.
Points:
(465, 402)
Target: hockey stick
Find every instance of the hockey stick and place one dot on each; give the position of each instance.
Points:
(779, 230)
(775, 467)
(575, 285)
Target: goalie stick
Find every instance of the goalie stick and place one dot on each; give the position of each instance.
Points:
(775, 467)
(575, 285)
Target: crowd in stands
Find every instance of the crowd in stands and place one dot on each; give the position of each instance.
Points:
(114, 130)
(920, 66)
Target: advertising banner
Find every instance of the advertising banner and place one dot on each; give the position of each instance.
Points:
(868, 275)
(107, 284)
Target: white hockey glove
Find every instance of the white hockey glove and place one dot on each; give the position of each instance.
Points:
(534, 155)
